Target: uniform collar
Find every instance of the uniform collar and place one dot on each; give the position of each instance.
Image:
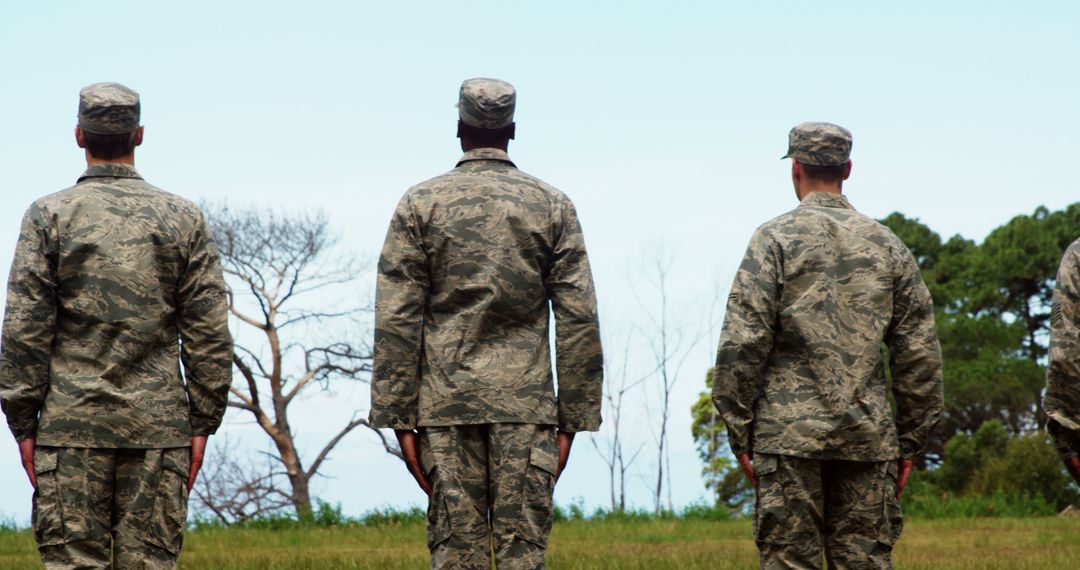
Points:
(110, 170)
(826, 200)
(486, 154)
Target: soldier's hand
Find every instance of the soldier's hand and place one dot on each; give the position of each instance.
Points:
(198, 450)
(1073, 465)
(746, 462)
(566, 441)
(407, 441)
(902, 474)
(26, 455)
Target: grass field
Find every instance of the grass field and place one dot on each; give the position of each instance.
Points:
(1052, 543)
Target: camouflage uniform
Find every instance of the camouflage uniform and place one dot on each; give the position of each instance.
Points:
(107, 277)
(1063, 374)
(800, 377)
(472, 260)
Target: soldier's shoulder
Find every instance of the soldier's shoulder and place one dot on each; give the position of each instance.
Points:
(1070, 261)
(1074, 248)
(53, 200)
(529, 179)
(427, 189)
(174, 202)
(59, 201)
(461, 178)
(138, 195)
(802, 222)
(780, 225)
(879, 232)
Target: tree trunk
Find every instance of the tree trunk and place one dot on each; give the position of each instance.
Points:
(298, 480)
(301, 497)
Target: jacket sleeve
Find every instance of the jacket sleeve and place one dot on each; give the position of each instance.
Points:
(205, 345)
(579, 358)
(747, 339)
(1062, 402)
(915, 357)
(29, 325)
(401, 292)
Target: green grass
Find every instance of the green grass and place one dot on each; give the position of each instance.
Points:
(1047, 542)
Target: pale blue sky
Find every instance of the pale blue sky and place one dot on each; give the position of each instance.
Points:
(663, 121)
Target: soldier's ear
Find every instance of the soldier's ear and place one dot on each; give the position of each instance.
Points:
(847, 170)
(512, 131)
(80, 139)
(458, 135)
(137, 136)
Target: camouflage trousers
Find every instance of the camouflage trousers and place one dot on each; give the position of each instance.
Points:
(492, 487)
(849, 507)
(110, 508)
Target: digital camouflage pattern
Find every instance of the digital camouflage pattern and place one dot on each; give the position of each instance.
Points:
(108, 109)
(492, 490)
(800, 369)
(471, 260)
(819, 144)
(850, 507)
(108, 276)
(486, 103)
(93, 505)
(1063, 374)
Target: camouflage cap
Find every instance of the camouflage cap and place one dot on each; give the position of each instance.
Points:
(486, 103)
(819, 144)
(108, 109)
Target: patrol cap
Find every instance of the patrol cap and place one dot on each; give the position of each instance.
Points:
(108, 109)
(486, 103)
(819, 144)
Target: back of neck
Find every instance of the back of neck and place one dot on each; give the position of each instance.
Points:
(808, 188)
(127, 159)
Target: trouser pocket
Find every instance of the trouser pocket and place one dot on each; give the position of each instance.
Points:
(536, 517)
(166, 525)
(47, 518)
(438, 529)
(892, 520)
(769, 500)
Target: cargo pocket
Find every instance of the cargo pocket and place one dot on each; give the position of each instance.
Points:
(438, 529)
(47, 517)
(766, 516)
(166, 529)
(892, 520)
(536, 508)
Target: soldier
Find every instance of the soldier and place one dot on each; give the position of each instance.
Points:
(471, 262)
(800, 376)
(1063, 374)
(114, 282)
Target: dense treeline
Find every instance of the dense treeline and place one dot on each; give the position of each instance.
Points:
(992, 304)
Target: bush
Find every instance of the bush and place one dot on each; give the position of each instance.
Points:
(948, 506)
(991, 473)
(8, 525)
(392, 517)
(1031, 466)
(695, 511)
(704, 512)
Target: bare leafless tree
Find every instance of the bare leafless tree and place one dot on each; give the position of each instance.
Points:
(280, 270)
(670, 345)
(233, 490)
(612, 449)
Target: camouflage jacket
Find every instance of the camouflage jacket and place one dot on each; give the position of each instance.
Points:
(1063, 374)
(114, 283)
(800, 369)
(471, 261)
